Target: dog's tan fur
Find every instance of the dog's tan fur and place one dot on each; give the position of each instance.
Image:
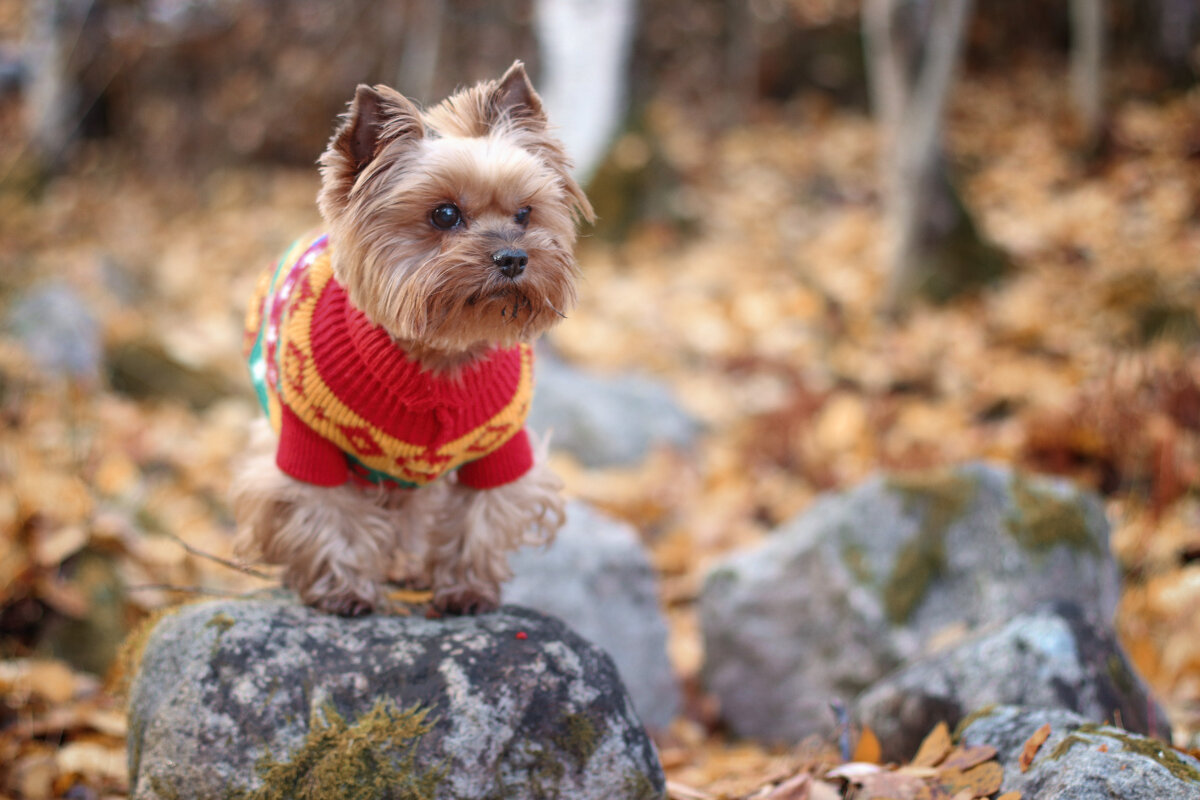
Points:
(489, 150)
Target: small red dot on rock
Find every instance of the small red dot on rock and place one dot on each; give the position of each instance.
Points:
(522, 635)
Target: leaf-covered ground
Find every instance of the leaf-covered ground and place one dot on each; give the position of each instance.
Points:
(752, 287)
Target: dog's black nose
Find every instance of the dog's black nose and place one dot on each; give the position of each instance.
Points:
(510, 261)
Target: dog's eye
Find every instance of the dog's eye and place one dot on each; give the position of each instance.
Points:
(446, 216)
(522, 215)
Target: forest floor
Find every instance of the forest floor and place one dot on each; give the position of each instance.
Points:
(752, 287)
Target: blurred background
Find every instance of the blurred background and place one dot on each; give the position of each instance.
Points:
(840, 236)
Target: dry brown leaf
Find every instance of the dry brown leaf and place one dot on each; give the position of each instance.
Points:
(896, 785)
(867, 748)
(679, 791)
(797, 787)
(967, 757)
(982, 780)
(52, 547)
(1032, 745)
(93, 759)
(49, 680)
(1009, 796)
(935, 747)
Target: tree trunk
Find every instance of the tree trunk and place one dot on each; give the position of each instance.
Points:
(913, 50)
(1087, 67)
(584, 47)
(52, 96)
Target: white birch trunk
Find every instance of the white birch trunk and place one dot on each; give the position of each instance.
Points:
(911, 78)
(1087, 66)
(585, 48)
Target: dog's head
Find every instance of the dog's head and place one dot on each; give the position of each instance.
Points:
(453, 227)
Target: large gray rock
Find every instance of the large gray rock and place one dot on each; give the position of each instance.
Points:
(1049, 658)
(597, 578)
(1082, 760)
(606, 421)
(258, 698)
(860, 583)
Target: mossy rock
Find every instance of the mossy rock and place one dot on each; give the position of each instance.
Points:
(865, 579)
(1082, 759)
(264, 698)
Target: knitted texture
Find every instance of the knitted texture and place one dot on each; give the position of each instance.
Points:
(348, 403)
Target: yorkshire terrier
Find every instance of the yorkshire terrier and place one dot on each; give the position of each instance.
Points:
(392, 353)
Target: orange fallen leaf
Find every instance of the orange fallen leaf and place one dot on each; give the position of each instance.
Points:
(1009, 796)
(1032, 745)
(935, 747)
(868, 748)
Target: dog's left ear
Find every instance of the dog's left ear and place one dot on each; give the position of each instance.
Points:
(515, 99)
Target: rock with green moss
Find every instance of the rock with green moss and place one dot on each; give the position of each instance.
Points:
(264, 698)
(862, 582)
(1081, 759)
(1051, 657)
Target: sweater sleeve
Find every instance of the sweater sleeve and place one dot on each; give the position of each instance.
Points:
(306, 455)
(505, 465)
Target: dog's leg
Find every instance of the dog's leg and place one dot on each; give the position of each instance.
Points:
(334, 543)
(471, 540)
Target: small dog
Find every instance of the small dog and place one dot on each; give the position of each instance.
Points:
(394, 349)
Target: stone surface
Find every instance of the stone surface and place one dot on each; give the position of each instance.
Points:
(605, 421)
(246, 698)
(864, 580)
(1082, 760)
(57, 327)
(597, 578)
(1049, 658)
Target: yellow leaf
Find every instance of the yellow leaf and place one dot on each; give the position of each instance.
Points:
(935, 747)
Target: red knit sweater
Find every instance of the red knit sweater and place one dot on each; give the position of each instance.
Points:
(349, 404)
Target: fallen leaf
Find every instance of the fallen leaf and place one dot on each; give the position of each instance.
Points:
(935, 747)
(896, 785)
(1009, 796)
(853, 771)
(982, 780)
(679, 791)
(51, 548)
(52, 681)
(797, 787)
(868, 748)
(1032, 745)
(820, 790)
(91, 758)
(967, 757)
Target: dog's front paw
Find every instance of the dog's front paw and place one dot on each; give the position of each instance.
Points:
(344, 606)
(464, 601)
